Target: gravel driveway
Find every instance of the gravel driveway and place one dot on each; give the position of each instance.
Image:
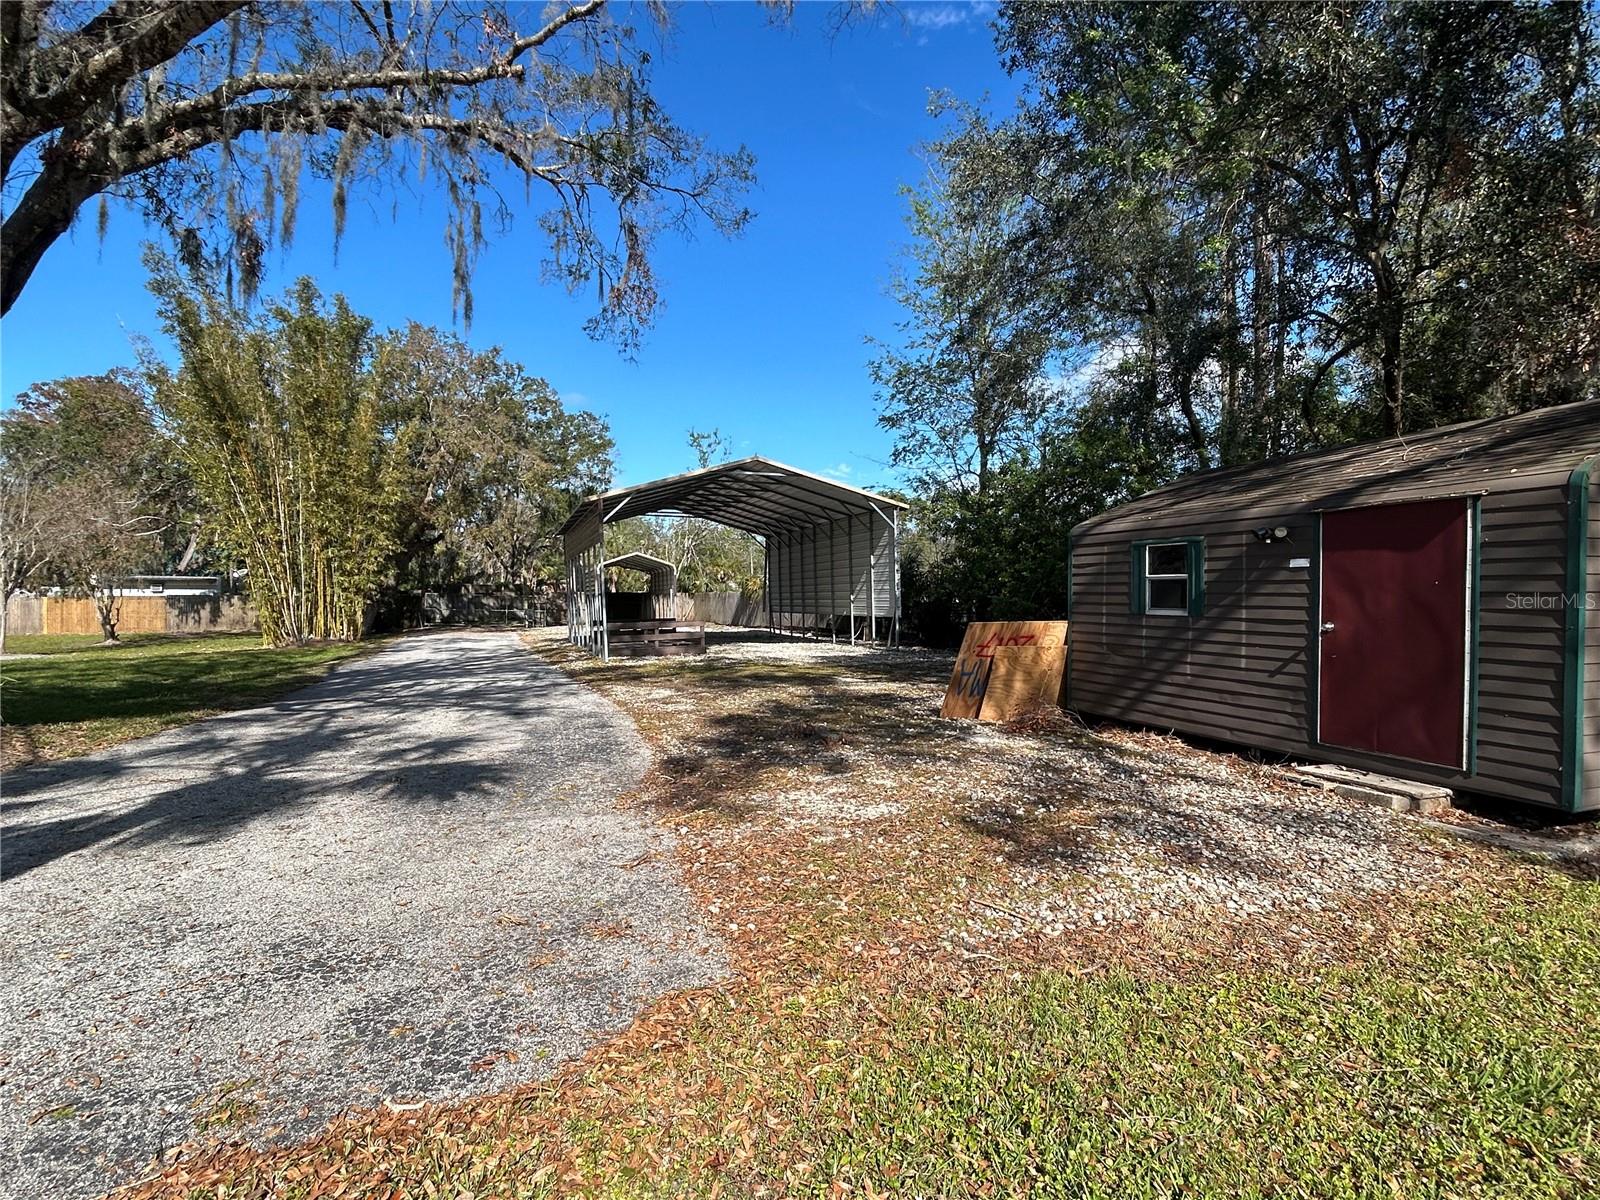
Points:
(406, 881)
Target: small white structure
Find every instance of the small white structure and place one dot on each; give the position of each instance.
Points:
(660, 601)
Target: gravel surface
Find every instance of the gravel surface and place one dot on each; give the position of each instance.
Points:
(1086, 830)
(731, 644)
(1149, 827)
(405, 882)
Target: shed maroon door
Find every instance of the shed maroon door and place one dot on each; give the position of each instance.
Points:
(1394, 630)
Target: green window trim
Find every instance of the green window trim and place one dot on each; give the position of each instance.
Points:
(1195, 559)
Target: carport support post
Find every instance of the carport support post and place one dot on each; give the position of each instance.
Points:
(892, 520)
(833, 579)
(774, 599)
(894, 578)
(815, 577)
(850, 533)
(600, 606)
(766, 577)
(872, 581)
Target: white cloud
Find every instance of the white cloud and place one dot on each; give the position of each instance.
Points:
(933, 16)
(839, 471)
(1077, 375)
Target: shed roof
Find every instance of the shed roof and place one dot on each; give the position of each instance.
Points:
(1473, 457)
(754, 494)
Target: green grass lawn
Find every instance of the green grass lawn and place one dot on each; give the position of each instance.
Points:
(1463, 1064)
(80, 695)
(1469, 1070)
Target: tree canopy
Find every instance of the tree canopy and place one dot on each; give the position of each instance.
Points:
(348, 469)
(1318, 221)
(91, 490)
(1214, 233)
(493, 463)
(203, 116)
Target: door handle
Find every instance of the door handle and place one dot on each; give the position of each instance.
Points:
(1326, 627)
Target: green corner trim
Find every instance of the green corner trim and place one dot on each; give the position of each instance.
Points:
(1136, 578)
(1067, 675)
(1474, 639)
(1314, 635)
(1197, 576)
(1069, 576)
(1575, 600)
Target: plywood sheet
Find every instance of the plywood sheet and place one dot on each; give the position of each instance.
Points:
(1022, 678)
(1006, 667)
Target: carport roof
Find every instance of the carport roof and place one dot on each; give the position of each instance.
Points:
(754, 494)
(639, 561)
(663, 575)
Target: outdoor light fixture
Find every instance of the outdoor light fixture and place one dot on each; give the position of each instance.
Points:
(1266, 536)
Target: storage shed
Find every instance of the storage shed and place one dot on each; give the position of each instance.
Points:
(1423, 607)
(831, 551)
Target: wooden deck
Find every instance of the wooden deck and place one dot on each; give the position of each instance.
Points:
(655, 637)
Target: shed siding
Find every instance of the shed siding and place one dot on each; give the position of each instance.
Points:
(1245, 670)
(1239, 672)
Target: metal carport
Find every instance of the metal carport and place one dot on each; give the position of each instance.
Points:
(832, 551)
(663, 577)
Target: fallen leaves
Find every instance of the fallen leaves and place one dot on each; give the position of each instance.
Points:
(854, 850)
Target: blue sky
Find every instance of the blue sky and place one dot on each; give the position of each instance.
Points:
(761, 336)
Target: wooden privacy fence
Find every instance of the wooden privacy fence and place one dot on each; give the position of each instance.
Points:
(136, 614)
(723, 608)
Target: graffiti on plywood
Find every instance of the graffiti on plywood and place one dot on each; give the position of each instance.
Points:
(1006, 667)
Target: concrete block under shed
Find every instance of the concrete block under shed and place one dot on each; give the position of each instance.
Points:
(1398, 795)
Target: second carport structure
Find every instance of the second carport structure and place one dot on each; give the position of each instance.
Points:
(832, 551)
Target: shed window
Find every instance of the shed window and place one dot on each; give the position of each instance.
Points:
(1168, 578)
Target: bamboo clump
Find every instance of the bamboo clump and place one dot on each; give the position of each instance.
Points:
(280, 420)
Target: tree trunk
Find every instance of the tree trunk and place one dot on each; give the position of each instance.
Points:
(44, 213)
(106, 609)
(1280, 330)
(1390, 356)
(1393, 395)
(1260, 291)
(1228, 432)
(1183, 385)
(189, 550)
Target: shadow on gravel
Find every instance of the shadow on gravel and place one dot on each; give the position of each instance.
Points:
(233, 769)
